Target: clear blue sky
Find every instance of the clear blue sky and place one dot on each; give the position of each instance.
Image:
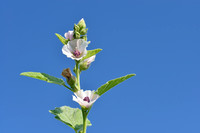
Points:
(157, 40)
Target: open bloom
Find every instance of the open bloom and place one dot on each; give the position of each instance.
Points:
(75, 49)
(85, 98)
(69, 35)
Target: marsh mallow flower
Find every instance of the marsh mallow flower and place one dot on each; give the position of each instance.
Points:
(84, 65)
(69, 35)
(85, 98)
(75, 49)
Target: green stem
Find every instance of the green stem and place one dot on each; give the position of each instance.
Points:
(67, 87)
(85, 113)
(78, 75)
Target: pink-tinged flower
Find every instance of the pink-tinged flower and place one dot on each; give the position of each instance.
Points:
(75, 49)
(69, 35)
(85, 64)
(85, 98)
(90, 60)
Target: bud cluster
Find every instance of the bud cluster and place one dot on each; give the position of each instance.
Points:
(80, 30)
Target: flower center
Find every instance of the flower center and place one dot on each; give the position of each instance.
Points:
(76, 53)
(86, 99)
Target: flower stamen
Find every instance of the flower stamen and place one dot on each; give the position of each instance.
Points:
(76, 53)
(86, 99)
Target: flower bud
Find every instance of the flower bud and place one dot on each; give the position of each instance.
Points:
(71, 80)
(77, 35)
(76, 28)
(83, 31)
(69, 35)
(84, 65)
(84, 37)
(82, 24)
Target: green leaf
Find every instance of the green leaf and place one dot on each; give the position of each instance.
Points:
(110, 84)
(43, 76)
(70, 116)
(91, 53)
(62, 39)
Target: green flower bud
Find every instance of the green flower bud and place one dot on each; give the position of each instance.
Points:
(83, 31)
(77, 35)
(84, 66)
(84, 37)
(82, 24)
(71, 80)
(76, 28)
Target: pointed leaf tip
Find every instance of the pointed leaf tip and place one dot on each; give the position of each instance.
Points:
(62, 39)
(44, 77)
(91, 53)
(112, 83)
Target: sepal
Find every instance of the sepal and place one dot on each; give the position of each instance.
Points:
(77, 35)
(83, 31)
(84, 66)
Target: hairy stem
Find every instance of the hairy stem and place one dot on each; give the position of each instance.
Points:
(85, 113)
(78, 75)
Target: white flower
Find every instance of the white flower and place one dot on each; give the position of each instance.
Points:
(85, 98)
(69, 35)
(75, 49)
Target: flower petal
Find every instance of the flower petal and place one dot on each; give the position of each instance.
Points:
(75, 99)
(66, 51)
(80, 94)
(95, 97)
(73, 44)
(70, 35)
(88, 93)
(66, 35)
(82, 45)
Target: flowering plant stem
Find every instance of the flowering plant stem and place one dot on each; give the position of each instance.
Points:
(84, 110)
(85, 113)
(75, 44)
(77, 71)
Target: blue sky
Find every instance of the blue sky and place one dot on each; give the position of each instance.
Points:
(157, 40)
